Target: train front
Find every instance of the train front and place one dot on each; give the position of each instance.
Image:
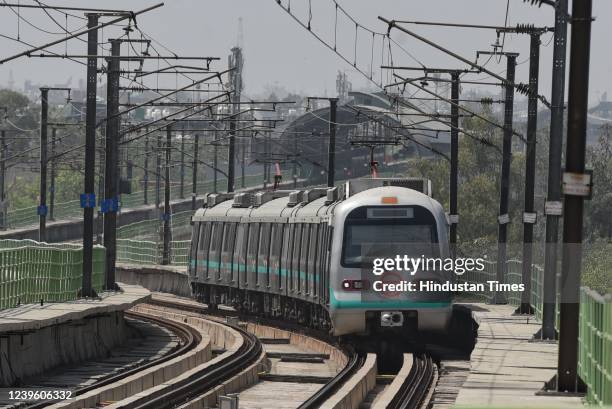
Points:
(388, 247)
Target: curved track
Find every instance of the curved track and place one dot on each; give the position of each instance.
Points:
(190, 338)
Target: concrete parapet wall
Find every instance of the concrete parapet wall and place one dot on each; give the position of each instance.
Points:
(355, 390)
(35, 338)
(158, 376)
(165, 279)
(31, 353)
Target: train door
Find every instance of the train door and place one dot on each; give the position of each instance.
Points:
(227, 250)
(193, 250)
(304, 247)
(263, 255)
(295, 259)
(251, 259)
(276, 247)
(313, 276)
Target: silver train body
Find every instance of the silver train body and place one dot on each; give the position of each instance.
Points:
(307, 255)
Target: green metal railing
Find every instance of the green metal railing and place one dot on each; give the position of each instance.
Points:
(31, 272)
(595, 346)
(27, 216)
(147, 252)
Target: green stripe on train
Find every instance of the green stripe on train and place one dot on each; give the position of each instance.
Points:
(241, 268)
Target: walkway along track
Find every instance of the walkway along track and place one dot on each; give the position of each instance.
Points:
(189, 337)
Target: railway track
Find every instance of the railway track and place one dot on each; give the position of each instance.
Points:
(204, 380)
(188, 337)
(414, 391)
(417, 387)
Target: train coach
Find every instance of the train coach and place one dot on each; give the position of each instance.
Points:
(307, 255)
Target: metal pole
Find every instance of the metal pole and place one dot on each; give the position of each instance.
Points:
(215, 165)
(454, 167)
(331, 153)
(230, 158)
(42, 205)
(158, 173)
(146, 171)
(295, 153)
(53, 174)
(553, 208)
(88, 200)
(243, 164)
(166, 216)
(182, 175)
(503, 219)
(3, 156)
(111, 174)
(194, 172)
(576, 184)
(529, 215)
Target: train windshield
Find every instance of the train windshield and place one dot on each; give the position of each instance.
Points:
(367, 238)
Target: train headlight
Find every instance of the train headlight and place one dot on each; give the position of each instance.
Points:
(353, 285)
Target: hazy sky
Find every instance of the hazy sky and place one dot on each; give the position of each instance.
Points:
(279, 51)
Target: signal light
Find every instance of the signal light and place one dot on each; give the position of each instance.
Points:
(389, 200)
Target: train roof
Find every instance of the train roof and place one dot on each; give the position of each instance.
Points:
(303, 205)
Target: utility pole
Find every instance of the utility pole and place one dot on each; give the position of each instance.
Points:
(230, 157)
(215, 164)
(3, 156)
(146, 170)
(331, 153)
(503, 218)
(182, 175)
(194, 172)
(53, 175)
(529, 215)
(158, 173)
(166, 215)
(553, 207)
(42, 203)
(295, 155)
(576, 186)
(243, 164)
(267, 156)
(110, 204)
(88, 198)
(454, 167)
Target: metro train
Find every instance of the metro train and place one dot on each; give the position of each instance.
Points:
(306, 255)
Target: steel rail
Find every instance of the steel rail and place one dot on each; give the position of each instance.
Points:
(354, 363)
(189, 336)
(206, 379)
(415, 388)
